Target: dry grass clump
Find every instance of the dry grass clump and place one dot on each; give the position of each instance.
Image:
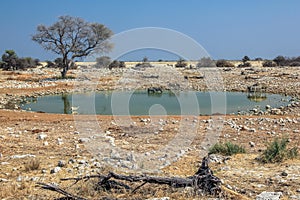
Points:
(33, 164)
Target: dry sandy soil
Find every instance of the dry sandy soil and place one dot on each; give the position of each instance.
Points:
(27, 138)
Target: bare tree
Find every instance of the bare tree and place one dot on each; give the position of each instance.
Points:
(72, 37)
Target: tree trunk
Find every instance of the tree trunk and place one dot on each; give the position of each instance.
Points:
(64, 72)
(65, 66)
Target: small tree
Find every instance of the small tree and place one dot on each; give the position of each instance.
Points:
(9, 60)
(145, 59)
(245, 59)
(280, 60)
(72, 37)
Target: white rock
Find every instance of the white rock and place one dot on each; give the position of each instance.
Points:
(269, 196)
(252, 144)
(83, 140)
(22, 156)
(42, 136)
(55, 170)
(59, 141)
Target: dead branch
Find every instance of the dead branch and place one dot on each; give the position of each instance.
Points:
(203, 181)
(54, 188)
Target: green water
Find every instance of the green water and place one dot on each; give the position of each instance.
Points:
(142, 103)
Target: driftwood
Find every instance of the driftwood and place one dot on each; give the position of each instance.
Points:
(203, 182)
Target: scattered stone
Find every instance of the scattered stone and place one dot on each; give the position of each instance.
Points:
(284, 173)
(55, 170)
(59, 141)
(61, 163)
(83, 140)
(252, 144)
(215, 158)
(19, 179)
(82, 162)
(22, 156)
(269, 196)
(161, 198)
(3, 180)
(42, 136)
(253, 130)
(297, 197)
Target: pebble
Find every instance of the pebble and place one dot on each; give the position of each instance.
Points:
(83, 140)
(61, 163)
(22, 156)
(252, 144)
(55, 170)
(19, 179)
(42, 136)
(59, 141)
(161, 198)
(269, 196)
(284, 173)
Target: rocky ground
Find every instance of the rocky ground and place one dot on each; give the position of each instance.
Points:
(41, 147)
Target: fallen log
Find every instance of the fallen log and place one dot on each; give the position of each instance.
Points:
(203, 182)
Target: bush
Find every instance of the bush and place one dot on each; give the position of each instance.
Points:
(224, 63)
(246, 64)
(269, 63)
(277, 151)
(144, 64)
(294, 64)
(181, 63)
(102, 62)
(10, 61)
(117, 64)
(226, 149)
(206, 62)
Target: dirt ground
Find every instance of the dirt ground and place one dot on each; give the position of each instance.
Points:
(27, 138)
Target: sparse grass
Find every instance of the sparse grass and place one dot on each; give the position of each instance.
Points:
(33, 164)
(226, 149)
(277, 151)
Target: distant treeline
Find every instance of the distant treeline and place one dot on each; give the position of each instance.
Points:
(10, 61)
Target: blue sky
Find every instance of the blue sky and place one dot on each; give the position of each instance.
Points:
(226, 29)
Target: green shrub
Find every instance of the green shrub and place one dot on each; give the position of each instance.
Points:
(277, 151)
(226, 149)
